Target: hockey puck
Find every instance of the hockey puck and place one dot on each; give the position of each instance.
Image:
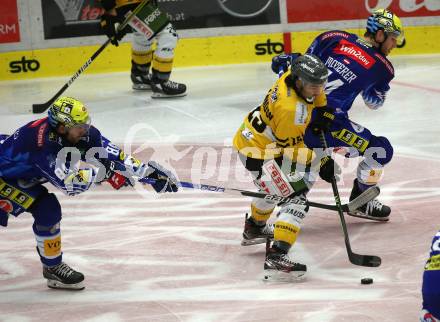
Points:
(367, 280)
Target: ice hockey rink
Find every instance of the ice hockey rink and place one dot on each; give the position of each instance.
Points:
(178, 257)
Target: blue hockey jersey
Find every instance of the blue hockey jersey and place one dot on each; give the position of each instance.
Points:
(431, 279)
(30, 154)
(355, 67)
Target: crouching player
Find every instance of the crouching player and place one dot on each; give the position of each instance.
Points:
(35, 154)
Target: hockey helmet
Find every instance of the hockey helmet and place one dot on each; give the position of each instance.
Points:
(70, 112)
(383, 19)
(310, 69)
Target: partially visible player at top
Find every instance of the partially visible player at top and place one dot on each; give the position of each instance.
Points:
(431, 284)
(143, 57)
(356, 65)
(50, 150)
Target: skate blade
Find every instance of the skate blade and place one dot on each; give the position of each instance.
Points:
(256, 241)
(61, 286)
(141, 87)
(280, 276)
(363, 216)
(162, 95)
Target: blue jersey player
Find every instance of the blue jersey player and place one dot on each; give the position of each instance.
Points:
(431, 284)
(53, 149)
(356, 65)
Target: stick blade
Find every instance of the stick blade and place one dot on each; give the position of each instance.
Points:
(40, 108)
(363, 198)
(365, 260)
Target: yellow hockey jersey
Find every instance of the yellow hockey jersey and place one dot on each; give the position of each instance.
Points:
(277, 126)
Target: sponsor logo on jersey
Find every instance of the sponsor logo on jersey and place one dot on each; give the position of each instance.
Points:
(6, 206)
(247, 134)
(269, 48)
(386, 62)
(334, 34)
(40, 136)
(352, 51)
(300, 113)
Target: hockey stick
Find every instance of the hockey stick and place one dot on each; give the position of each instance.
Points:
(40, 108)
(356, 259)
(361, 200)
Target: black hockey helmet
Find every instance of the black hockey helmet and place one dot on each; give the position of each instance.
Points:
(310, 69)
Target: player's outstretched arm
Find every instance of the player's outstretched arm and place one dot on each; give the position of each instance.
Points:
(121, 164)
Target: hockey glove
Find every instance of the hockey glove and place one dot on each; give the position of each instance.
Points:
(283, 62)
(116, 179)
(109, 26)
(79, 181)
(329, 169)
(165, 181)
(322, 119)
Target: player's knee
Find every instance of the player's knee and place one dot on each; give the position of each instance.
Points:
(140, 43)
(167, 42)
(380, 149)
(46, 210)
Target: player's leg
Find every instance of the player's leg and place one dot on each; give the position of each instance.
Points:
(278, 263)
(377, 152)
(47, 217)
(141, 57)
(369, 172)
(162, 65)
(271, 176)
(256, 230)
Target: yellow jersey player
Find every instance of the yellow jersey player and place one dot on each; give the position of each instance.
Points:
(270, 145)
(142, 55)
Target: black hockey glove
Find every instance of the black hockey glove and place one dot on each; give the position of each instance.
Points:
(109, 26)
(329, 169)
(322, 119)
(164, 179)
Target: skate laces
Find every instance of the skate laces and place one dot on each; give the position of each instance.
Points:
(286, 259)
(171, 84)
(63, 270)
(372, 205)
(282, 258)
(267, 229)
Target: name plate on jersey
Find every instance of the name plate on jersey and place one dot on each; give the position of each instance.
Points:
(149, 21)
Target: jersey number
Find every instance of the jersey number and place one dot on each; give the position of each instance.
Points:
(436, 245)
(334, 84)
(255, 120)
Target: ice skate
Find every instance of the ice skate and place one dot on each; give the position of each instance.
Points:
(279, 267)
(140, 77)
(254, 234)
(373, 210)
(61, 276)
(167, 89)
